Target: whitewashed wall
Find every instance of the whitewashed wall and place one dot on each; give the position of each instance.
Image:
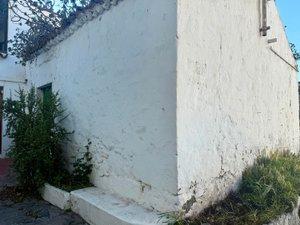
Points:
(235, 97)
(177, 96)
(117, 79)
(12, 76)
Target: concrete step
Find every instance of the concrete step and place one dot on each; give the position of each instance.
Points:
(56, 196)
(98, 208)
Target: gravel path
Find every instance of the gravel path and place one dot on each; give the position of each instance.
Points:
(32, 211)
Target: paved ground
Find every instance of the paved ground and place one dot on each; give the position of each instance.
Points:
(31, 211)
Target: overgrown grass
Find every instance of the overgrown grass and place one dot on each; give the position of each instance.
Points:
(268, 189)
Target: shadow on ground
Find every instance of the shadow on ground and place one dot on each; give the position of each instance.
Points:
(30, 211)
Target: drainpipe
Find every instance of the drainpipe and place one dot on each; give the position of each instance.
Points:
(264, 29)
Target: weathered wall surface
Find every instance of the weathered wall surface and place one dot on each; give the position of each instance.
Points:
(161, 139)
(10, 77)
(117, 78)
(235, 97)
(8, 69)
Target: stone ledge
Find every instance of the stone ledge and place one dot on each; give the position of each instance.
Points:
(98, 208)
(56, 196)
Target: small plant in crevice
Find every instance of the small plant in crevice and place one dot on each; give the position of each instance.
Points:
(83, 167)
(80, 176)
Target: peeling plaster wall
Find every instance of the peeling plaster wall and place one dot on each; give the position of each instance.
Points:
(235, 97)
(165, 140)
(117, 78)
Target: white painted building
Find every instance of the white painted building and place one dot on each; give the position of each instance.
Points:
(12, 76)
(177, 96)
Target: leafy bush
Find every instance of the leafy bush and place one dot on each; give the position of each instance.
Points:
(34, 127)
(268, 189)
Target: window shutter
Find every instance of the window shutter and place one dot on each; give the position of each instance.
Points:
(3, 25)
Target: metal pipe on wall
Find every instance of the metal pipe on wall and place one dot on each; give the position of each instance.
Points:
(264, 29)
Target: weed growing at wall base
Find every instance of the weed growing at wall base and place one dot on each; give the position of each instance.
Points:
(80, 176)
(268, 189)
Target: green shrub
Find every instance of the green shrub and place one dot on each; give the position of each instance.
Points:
(34, 127)
(268, 189)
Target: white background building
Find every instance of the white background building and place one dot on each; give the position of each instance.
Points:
(12, 76)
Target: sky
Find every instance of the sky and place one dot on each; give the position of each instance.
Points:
(290, 15)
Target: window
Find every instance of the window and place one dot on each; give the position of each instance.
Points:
(46, 90)
(3, 26)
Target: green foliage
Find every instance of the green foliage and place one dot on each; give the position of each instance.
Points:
(79, 178)
(268, 189)
(275, 180)
(34, 127)
(83, 167)
(44, 20)
(295, 52)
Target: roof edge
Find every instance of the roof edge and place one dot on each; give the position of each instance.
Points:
(83, 17)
